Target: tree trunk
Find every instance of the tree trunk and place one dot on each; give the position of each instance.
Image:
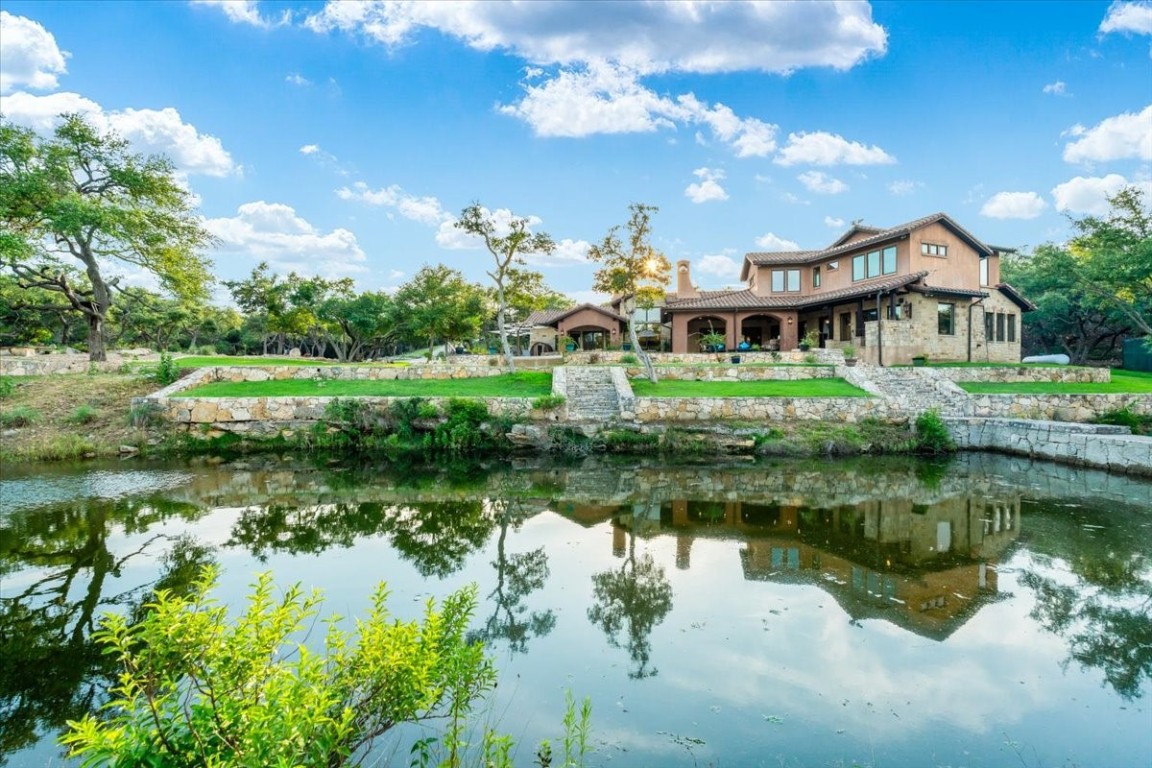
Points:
(640, 352)
(97, 353)
(502, 307)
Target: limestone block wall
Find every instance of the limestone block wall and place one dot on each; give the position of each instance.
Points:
(1093, 445)
(1021, 374)
(792, 356)
(920, 333)
(767, 409)
(1073, 408)
(737, 372)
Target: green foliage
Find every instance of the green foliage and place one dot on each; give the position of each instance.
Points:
(849, 351)
(145, 415)
(197, 688)
(83, 414)
(20, 416)
(810, 358)
(932, 435)
(549, 402)
(7, 386)
(1126, 417)
(629, 359)
(629, 441)
(439, 306)
(166, 370)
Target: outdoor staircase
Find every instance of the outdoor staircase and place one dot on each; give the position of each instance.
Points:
(919, 388)
(591, 393)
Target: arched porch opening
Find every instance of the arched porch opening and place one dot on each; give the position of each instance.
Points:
(701, 326)
(591, 337)
(761, 330)
(541, 348)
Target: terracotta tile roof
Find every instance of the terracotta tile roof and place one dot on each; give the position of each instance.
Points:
(936, 290)
(778, 257)
(717, 300)
(553, 316)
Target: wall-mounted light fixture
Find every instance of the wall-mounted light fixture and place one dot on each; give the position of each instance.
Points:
(789, 321)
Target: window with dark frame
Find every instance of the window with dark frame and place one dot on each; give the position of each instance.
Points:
(984, 271)
(946, 319)
(934, 249)
(815, 277)
(999, 326)
(1011, 327)
(858, 267)
(989, 327)
(785, 280)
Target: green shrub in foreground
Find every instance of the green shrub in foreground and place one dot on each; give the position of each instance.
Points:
(932, 436)
(20, 416)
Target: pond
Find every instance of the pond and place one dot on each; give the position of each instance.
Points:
(983, 612)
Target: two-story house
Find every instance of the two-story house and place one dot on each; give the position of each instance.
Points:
(927, 287)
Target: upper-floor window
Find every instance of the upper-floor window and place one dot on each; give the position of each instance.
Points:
(833, 266)
(933, 249)
(946, 319)
(984, 271)
(874, 263)
(815, 277)
(785, 280)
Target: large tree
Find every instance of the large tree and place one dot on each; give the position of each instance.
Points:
(1115, 255)
(508, 252)
(82, 196)
(438, 304)
(633, 270)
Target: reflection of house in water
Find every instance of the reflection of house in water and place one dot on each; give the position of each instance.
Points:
(927, 568)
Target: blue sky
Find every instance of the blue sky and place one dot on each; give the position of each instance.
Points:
(341, 139)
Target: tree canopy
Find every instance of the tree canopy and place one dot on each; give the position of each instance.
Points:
(81, 197)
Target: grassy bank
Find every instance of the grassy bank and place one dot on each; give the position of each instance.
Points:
(1123, 382)
(801, 388)
(523, 384)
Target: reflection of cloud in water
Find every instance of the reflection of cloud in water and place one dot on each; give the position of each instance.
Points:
(20, 494)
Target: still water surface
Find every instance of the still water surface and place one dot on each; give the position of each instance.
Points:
(986, 612)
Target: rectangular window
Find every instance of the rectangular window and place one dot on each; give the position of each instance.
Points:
(999, 326)
(858, 267)
(1011, 327)
(815, 277)
(870, 315)
(793, 280)
(989, 327)
(874, 264)
(984, 271)
(946, 319)
(777, 280)
(932, 249)
(890, 260)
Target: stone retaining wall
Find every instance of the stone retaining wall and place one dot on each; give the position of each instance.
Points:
(45, 365)
(765, 409)
(1072, 408)
(737, 372)
(1022, 374)
(1092, 445)
(794, 356)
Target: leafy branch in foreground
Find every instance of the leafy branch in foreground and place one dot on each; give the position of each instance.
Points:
(197, 688)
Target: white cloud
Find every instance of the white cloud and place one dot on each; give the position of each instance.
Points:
(1134, 18)
(821, 183)
(1089, 194)
(148, 130)
(1057, 88)
(607, 99)
(1013, 205)
(645, 37)
(708, 188)
(29, 55)
(788, 197)
(1115, 138)
(833, 222)
(426, 210)
(275, 233)
(903, 187)
(309, 149)
(822, 148)
(295, 78)
(771, 242)
(568, 253)
(724, 267)
(243, 12)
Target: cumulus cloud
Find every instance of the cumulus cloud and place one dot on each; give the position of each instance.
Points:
(821, 183)
(295, 78)
(1126, 135)
(1132, 18)
(274, 232)
(771, 242)
(1089, 194)
(721, 265)
(645, 37)
(29, 55)
(606, 99)
(148, 130)
(425, 210)
(1013, 205)
(244, 12)
(708, 188)
(822, 148)
(834, 222)
(903, 187)
(1057, 88)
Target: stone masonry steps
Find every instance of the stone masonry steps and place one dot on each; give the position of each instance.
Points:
(591, 393)
(914, 388)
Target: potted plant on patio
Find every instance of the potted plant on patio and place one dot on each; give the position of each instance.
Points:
(920, 360)
(849, 354)
(712, 342)
(811, 339)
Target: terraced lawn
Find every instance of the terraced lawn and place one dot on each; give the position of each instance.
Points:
(1123, 382)
(803, 388)
(525, 384)
(213, 361)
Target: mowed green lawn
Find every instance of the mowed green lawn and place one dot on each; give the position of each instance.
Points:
(526, 384)
(1123, 382)
(803, 388)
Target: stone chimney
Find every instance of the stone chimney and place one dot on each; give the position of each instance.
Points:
(684, 287)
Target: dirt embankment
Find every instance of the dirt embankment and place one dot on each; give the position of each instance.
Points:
(66, 416)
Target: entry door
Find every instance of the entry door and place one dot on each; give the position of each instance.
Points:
(845, 326)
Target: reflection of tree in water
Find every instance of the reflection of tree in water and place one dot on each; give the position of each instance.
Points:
(1106, 616)
(517, 575)
(632, 600)
(436, 536)
(50, 668)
